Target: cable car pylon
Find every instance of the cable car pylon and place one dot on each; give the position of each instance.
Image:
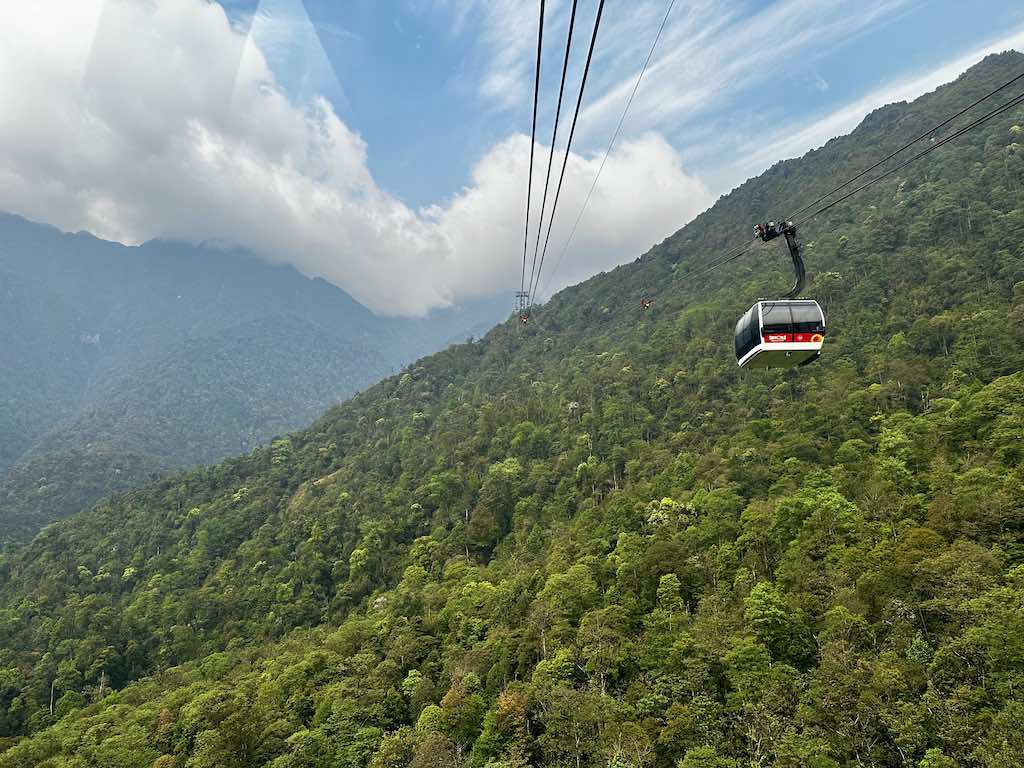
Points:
(522, 306)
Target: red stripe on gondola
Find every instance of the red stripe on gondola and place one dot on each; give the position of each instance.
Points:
(792, 338)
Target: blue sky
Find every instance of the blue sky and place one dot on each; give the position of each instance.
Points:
(411, 74)
(384, 144)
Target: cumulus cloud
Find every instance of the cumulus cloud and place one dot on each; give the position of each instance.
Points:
(643, 196)
(136, 119)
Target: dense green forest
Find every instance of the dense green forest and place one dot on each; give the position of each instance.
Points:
(119, 363)
(593, 541)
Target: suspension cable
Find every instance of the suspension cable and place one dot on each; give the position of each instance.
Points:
(747, 247)
(1016, 100)
(744, 249)
(906, 146)
(554, 136)
(608, 151)
(533, 140)
(1013, 102)
(568, 144)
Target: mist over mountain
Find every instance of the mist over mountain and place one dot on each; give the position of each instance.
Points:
(119, 362)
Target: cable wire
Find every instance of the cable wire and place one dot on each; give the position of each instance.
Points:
(715, 265)
(1013, 102)
(747, 247)
(568, 144)
(554, 136)
(533, 140)
(906, 146)
(611, 144)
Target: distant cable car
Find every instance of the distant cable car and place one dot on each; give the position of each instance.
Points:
(646, 303)
(786, 332)
(780, 334)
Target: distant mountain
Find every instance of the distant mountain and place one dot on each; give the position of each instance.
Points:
(119, 362)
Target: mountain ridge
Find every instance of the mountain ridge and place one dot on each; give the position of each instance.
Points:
(95, 327)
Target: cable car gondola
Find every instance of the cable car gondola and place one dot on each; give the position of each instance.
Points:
(780, 334)
(786, 332)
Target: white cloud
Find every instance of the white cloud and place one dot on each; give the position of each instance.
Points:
(793, 143)
(505, 31)
(642, 197)
(710, 53)
(714, 51)
(136, 119)
(282, 33)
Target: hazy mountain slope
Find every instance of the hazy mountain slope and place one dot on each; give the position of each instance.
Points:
(118, 308)
(48, 486)
(226, 392)
(218, 395)
(35, 389)
(167, 355)
(692, 566)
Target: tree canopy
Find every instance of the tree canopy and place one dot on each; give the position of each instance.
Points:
(592, 540)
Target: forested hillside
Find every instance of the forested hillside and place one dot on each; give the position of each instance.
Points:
(117, 363)
(593, 541)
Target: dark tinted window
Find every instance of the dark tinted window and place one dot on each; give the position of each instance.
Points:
(747, 336)
(807, 319)
(776, 317)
